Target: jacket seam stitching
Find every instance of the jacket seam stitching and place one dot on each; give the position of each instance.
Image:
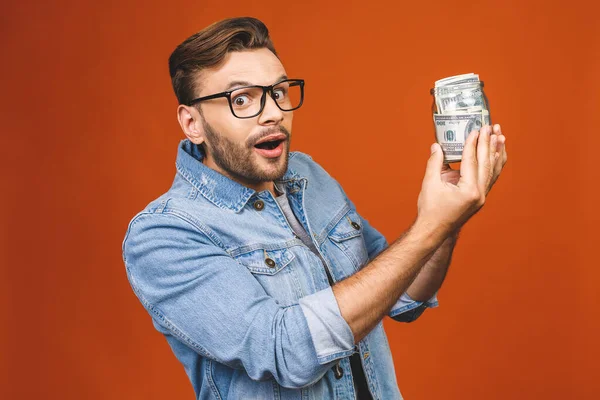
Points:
(166, 322)
(211, 381)
(182, 215)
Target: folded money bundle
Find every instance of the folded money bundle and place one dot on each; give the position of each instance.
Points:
(459, 107)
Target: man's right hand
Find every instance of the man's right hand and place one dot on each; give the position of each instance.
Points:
(444, 207)
(367, 296)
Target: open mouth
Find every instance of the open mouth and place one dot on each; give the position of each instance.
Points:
(269, 145)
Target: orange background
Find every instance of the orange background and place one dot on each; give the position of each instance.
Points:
(89, 137)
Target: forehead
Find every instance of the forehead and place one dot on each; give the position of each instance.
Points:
(258, 67)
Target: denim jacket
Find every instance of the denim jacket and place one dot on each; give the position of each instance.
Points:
(244, 304)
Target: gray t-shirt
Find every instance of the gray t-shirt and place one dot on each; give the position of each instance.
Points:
(297, 227)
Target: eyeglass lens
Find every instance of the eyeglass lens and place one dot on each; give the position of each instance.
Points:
(245, 102)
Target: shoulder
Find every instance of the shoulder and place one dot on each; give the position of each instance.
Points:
(299, 158)
(165, 219)
(306, 166)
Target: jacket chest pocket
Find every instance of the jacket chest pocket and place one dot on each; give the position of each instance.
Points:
(347, 236)
(274, 270)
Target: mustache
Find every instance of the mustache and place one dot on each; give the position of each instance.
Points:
(271, 131)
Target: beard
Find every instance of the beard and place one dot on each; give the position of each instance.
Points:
(240, 162)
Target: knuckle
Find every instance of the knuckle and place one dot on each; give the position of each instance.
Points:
(473, 196)
(481, 201)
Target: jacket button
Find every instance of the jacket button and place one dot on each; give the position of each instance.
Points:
(355, 225)
(259, 205)
(270, 262)
(338, 372)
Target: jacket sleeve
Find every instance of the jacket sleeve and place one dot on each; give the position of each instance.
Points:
(405, 309)
(211, 303)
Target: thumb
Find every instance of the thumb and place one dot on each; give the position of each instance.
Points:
(435, 163)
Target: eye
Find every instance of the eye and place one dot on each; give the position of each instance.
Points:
(279, 94)
(241, 100)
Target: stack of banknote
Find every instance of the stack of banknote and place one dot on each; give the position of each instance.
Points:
(460, 107)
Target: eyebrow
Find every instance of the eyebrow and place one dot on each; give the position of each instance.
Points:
(233, 84)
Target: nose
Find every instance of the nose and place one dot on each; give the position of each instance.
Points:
(271, 114)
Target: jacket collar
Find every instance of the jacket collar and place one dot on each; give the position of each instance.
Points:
(214, 186)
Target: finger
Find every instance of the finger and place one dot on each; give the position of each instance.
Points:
(434, 164)
(499, 153)
(503, 155)
(493, 149)
(499, 133)
(483, 158)
(501, 159)
(493, 157)
(446, 167)
(497, 130)
(496, 172)
(468, 165)
(501, 150)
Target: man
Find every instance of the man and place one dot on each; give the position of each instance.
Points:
(256, 267)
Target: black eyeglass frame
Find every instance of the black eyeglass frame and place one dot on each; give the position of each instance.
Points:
(263, 98)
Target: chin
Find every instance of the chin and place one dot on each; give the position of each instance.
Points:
(275, 168)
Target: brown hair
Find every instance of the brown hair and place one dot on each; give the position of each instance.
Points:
(209, 47)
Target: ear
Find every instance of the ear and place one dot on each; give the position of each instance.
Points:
(191, 124)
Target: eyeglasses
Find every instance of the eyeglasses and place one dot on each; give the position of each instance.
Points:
(249, 101)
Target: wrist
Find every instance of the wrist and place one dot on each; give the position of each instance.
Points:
(453, 236)
(431, 234)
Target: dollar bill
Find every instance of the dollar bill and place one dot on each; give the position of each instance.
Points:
(459, 100)
(452, 130)
(456, 80)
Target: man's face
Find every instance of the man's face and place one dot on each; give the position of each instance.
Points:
(230, 141)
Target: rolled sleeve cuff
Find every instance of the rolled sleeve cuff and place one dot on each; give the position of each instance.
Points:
(406, 304)
(331, 334)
